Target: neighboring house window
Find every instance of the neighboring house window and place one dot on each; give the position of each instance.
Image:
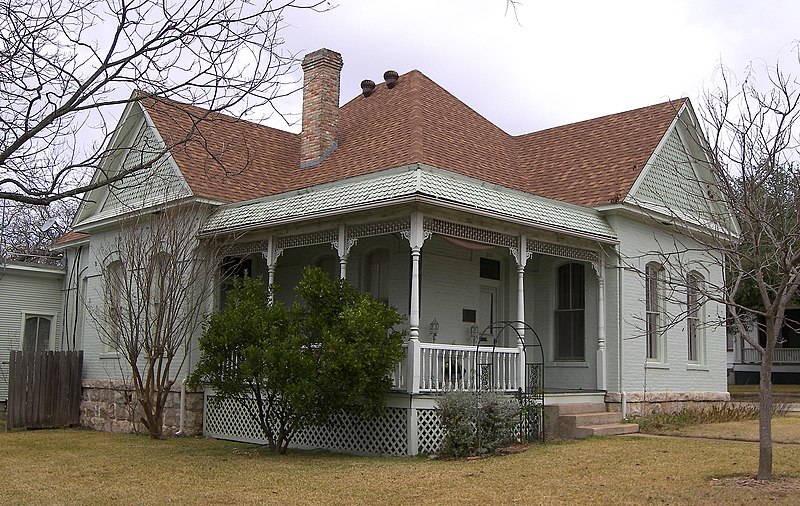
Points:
(652, 309)
(693, 315)
(377, 268)
(36, 335)
(570, 309)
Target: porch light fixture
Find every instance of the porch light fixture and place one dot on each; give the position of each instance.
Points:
(473, 333)
(434, 330)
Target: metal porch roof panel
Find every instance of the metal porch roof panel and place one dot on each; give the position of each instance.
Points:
(515, 205)
(429, 182)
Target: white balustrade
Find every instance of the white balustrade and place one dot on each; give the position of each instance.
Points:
(779, 356)
(454, 367)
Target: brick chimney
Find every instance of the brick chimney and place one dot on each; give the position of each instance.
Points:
(321, 71)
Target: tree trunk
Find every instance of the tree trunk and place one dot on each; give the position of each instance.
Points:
(765, 417)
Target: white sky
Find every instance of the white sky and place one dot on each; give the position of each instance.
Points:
(563, 61)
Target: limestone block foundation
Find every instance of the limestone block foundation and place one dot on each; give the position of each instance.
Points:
(110, 405)
(647, 403)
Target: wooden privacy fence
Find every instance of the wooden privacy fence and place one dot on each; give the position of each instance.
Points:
(44, 389)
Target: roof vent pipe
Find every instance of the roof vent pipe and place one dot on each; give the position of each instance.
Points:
(390, 76)
(367, 87)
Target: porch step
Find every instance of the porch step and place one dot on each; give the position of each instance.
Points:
(606, 429)
(581, 420)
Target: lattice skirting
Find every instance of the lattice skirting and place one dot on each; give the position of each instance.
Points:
(385, 435)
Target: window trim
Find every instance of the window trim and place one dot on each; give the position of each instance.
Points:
(695, 319)
(653, 308)
(51, 334)
(383, 286)
(557, 310)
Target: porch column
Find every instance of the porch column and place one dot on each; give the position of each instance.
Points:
(416, 237)
(342, 247)
(521, 255)
(601, 324)
(271, 259)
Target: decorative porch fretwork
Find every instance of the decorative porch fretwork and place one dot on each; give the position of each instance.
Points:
(246, 248)
(307, 239)
(470, 233)
(378, 228)
(560, 250)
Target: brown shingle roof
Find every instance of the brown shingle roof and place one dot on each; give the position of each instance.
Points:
(587, 163)
(69, 237)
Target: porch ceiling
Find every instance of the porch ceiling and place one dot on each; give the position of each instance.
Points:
(409, 183)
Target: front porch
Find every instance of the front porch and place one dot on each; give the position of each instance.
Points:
(455, 281)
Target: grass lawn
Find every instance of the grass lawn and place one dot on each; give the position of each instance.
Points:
(78, 466)
(781, 393)
(785, 429)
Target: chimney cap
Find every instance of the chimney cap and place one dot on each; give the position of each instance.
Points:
(367, 87)
(391, 77)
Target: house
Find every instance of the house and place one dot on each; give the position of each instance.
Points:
(745, 361)
(491, 243)
(31, 311)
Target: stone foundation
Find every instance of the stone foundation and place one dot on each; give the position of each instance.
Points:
(109, 406)
(647, 403)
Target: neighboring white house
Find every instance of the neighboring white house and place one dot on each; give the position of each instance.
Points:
(411, 195)
(745, 361)
(31, 309)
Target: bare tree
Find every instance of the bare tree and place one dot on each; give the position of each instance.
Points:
(748, 225)
(28, 230)
(157, 284)
(66, 66)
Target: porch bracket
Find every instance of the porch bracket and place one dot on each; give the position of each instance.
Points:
(271, 259)
(342, 246)
(601, 325)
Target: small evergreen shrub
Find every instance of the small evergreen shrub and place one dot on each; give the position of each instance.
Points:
(476, 424)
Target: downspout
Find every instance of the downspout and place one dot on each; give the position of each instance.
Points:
(624, 399)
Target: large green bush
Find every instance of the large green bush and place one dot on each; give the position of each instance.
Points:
(292, 367)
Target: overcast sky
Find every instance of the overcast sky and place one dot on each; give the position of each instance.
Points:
(561, 61)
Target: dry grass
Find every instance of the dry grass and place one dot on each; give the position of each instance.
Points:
(77, 466)
(785, 429)
(753, 389)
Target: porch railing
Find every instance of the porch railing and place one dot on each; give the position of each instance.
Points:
(779, 356)
(446, 367)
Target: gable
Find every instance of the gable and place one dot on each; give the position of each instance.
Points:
(136, 142)
(157, 184)
(678, 182)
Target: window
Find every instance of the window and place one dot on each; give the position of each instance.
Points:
(570, 309)
(693, 314)
(490, 269)
(36, 335)
(652, 310)
(117, 297)
(329, 265)
(375, 279)
(232, 268)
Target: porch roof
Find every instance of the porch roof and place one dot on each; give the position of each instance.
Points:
(416, 182)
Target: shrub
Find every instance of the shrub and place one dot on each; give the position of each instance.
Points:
(476, 424)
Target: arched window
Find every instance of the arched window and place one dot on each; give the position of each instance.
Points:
(570, 312)
(694, 315)
(653, 310)
(36, 335)
(376, 271)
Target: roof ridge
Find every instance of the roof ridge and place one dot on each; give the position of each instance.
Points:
(680, 101)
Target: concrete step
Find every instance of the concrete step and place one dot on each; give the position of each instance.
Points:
(599, 418)
(579, 408)
(606, 429)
